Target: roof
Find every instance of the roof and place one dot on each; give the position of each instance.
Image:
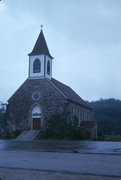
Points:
(69, 93)
(66, 91)
(41, 46)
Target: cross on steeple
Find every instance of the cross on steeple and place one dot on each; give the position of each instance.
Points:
(41, 27)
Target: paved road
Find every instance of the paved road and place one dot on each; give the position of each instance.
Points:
(83, 157)
(63, 146)
(18, 174)
(94, 164)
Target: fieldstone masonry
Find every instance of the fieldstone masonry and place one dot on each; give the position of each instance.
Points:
(21, 103)
(51, 101)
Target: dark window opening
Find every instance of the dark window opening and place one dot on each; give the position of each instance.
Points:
(36, 66)
(48, 67)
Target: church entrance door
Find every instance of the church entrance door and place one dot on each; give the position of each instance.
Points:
(36, 118)
(36, 123)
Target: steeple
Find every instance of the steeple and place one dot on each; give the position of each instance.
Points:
(40, 60)
(40, 46)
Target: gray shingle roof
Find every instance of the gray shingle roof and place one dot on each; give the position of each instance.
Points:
(41, 46)
(69, 93)
(65, 90)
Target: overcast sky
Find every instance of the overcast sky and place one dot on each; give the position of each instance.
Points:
(83, 36)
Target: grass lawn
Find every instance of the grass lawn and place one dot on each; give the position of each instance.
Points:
(113, 138)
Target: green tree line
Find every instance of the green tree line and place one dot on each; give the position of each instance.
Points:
(107, 113)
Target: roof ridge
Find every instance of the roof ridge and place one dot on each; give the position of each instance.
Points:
(17, 90)
(62, 83)
(68, 87)
(70, 93)
(56, 87)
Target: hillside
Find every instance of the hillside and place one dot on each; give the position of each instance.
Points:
(107, 113)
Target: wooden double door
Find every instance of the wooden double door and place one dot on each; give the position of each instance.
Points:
(36, 123)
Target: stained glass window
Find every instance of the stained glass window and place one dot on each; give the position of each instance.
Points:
(37, 66)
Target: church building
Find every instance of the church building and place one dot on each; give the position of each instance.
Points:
(41, 96)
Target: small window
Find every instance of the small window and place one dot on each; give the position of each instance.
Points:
(35, 95)
(48, 67)
(36, 66)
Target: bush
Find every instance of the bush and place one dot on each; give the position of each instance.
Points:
(57, 127)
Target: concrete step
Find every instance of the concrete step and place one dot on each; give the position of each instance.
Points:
(28, 135)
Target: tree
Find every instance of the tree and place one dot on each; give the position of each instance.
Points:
(107, 113)
(56, 126)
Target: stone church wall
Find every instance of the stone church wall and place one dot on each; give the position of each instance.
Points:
(81, 112)
(51, 101)
(20, 104)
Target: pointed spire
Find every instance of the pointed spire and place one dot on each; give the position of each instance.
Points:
(41, 46)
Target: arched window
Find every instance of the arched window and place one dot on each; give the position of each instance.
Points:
(48, 67)
(36, 111)
(36, 66)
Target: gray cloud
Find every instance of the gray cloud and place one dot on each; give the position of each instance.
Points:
(83, 36)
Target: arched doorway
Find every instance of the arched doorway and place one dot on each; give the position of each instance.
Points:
(36, 118)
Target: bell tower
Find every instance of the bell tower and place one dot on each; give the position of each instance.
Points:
(40, 60)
